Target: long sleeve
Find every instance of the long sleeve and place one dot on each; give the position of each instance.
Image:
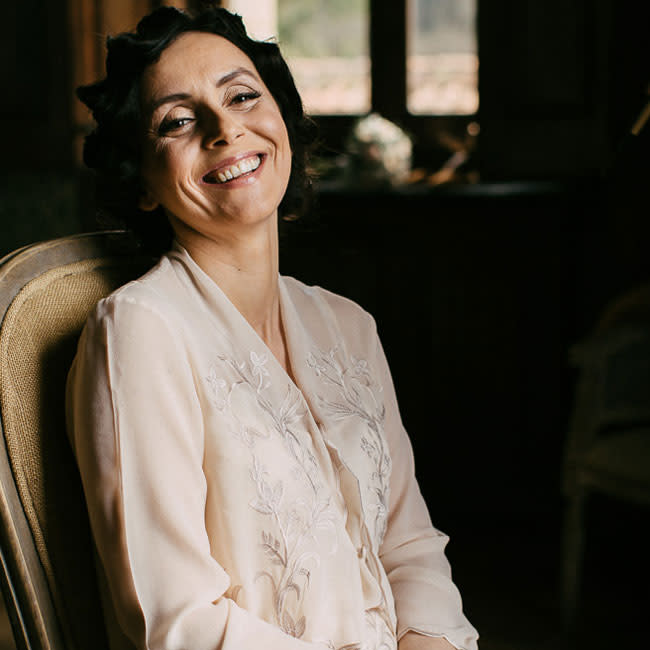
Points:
(412, 551)
(136, 426)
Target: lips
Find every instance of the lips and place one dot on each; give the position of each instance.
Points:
(233, 168)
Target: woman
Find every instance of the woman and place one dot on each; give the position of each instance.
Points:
(248, 479)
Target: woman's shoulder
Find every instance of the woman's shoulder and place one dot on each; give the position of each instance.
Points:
(142, 298)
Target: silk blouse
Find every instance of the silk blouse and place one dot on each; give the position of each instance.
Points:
(235, 508)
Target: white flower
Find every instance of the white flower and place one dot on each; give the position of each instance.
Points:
(258, 364)
(219, 389)
(259, 369)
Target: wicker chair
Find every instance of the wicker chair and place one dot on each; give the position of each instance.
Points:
(608, 443)
(47, 558)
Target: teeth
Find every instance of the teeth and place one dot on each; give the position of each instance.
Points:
(242, 167)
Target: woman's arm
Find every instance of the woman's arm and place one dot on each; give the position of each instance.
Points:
(412, 551)
(137, 430)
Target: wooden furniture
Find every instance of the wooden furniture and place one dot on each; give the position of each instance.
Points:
(47, 559)
(608, 444)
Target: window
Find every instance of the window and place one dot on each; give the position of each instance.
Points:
(326, 44)
(442, 61)
(430, 71)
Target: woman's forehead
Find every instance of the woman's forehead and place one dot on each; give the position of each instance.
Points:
(192, 57)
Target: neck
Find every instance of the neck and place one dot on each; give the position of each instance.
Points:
(246, 269)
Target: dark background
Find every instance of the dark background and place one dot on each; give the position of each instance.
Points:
(479, 289)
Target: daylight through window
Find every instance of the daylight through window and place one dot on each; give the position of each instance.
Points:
(442, 61)
(326, 45)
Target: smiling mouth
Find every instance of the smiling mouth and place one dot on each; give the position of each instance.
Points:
(241, 168)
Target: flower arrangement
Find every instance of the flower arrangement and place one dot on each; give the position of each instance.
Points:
(380, 152)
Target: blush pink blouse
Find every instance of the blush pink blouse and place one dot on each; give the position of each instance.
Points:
(235, 509)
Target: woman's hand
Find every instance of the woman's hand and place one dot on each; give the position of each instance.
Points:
(414, 641)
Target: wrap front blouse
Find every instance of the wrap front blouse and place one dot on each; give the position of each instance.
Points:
(233, 508)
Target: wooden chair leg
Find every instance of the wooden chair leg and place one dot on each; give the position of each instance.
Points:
(574, 533)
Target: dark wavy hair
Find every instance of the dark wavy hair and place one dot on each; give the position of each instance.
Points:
(113, 148)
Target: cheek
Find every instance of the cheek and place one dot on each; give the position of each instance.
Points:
(276, 130)
(283, 146)
(163, 166)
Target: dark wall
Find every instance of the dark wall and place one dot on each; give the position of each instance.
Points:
(476, 298)
(39, 189)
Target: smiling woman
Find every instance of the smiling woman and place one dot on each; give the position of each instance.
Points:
(115, 149)
(248, 479)
(216, 152)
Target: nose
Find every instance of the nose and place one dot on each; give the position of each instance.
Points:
(221, 128)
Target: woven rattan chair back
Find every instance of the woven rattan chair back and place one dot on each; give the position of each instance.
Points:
(46, 293)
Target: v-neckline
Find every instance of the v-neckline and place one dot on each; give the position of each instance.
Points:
(291, 377)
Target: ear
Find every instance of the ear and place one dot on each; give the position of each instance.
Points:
(147, 202)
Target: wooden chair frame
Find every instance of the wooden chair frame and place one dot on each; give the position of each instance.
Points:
(37, 616)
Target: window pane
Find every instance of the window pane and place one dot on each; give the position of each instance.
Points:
(326, 45)
(260, 16)
(442, 61)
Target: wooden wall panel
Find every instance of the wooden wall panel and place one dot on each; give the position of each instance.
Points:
(122, 15)
(86, 62)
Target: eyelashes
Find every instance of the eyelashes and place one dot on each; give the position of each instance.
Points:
(243, 97)
(174, 124)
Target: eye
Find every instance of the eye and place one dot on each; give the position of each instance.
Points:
(243, 97)
(171, 125)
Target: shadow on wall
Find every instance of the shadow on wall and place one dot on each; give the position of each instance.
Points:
(35, 206)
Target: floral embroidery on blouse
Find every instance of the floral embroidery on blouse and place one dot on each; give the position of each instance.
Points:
(357, 395)
(377, 636)
(293, 524)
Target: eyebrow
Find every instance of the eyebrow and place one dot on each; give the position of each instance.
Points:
(174, 97)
